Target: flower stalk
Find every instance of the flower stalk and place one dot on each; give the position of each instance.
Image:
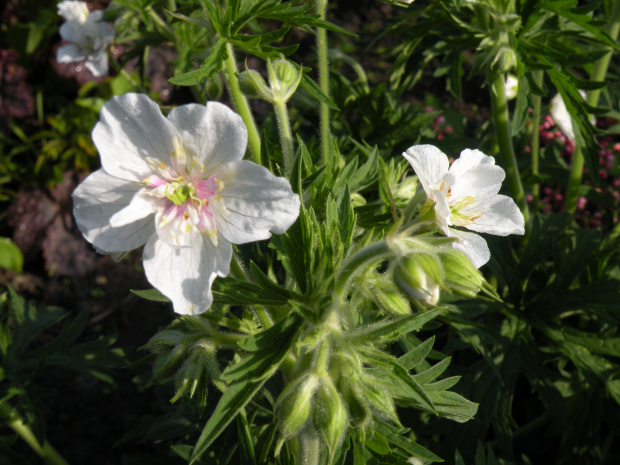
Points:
(536, 100)
(599, 71)
(321, 43)
(16, 423)
(502, 128)
(241, 103)
(286, 137)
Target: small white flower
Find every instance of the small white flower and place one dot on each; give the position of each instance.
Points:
(511, 88)
(180, 186)
(466, 195)
(87, 37)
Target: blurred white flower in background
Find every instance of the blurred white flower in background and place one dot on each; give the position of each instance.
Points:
(466, 195)
(179, 186)
(86, 35)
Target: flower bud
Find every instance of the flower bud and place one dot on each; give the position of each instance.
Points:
(418, 275)
(328, 414)
(460, 275)
(380, 399)
(253, 85)
(284, 78)
(294, 403)
(359, 412)
(167, 363)
(505, 60)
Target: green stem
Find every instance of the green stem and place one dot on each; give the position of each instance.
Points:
(286, 137)
(241, 103)
(16, 423)
(599, 71)
(356, 262)
(536, 100)
(310, 448)
(502, 130)
(321, 44)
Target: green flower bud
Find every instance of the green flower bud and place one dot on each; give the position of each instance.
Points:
(284, 78)
(352, 396)
(191, 376)
(253, 85)
(419, 276)
(328, 414)
(505, 60)
(163, 341)
(460, 275)
(167, 363)
(294, 403)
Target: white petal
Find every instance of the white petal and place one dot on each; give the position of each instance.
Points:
(72, 31)
(478, 181)
(96, 200)
(69, 53)
(500, 216)
(72, 10)
(512, 87)
(257, 203)
(185, 274)
(141, 206)
(97, 63)
(132, 128)
(443, 217)
(429, 163)
(561, 116)
(468, 160)
(472, 245)
(214, 133)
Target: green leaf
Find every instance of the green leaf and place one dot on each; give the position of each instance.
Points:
(396, 437)
(391, 329)
(232, 291)
(213, 64)
(313, 89)
(151, 294)
(417, 354)
(11, 258)
(243, 389)
(412, 387)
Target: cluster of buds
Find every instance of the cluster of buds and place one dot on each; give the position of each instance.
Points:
(284, 78)
(186, 353)
(421, 275)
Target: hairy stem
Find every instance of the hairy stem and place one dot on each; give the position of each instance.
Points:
(286, 137)
(356, 263)
(321, 44)
(241, 103)
(16, 423)
(536, 100)
(502, 129)
(599, 71)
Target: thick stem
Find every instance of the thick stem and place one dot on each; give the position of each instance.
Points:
(599, 71)
(286, 137)
(502, 130)
(241, 103)
(15, 422)
(536, 100)
(356, 262)
(321, 44)
(310, 448)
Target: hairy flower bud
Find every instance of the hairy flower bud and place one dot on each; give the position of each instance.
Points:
(379, 399)
(284, 78)
(294, 403)
(328, 414)
(418, 275)
(460, 275)
(253, 85)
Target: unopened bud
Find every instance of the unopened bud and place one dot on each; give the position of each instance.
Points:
(379, 399)
(460, 275)
(284, 78)
(294, 403)
(253, 85)
(328, 414)
(505, 60)
(354, 400)
(419, 276)
(167, 363)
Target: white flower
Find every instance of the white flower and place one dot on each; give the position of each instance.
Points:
(180, 186)
(466, 195)
(87, 37)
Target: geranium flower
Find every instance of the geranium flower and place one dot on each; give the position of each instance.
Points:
(466, 195)
(87, 37)
(180, 186)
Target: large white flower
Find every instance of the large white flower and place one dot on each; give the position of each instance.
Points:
(562, 117)
(466, 194)
(87, 37)
(180, 186)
